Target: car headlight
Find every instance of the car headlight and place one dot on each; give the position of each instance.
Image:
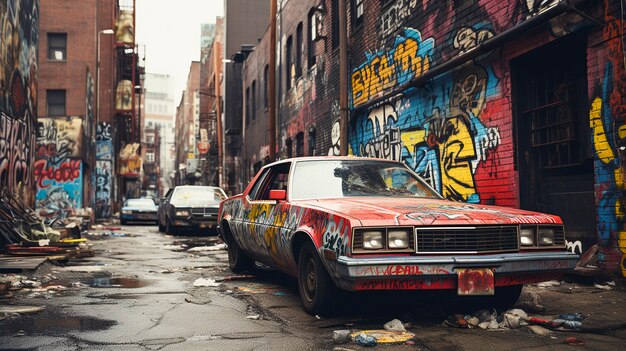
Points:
(527, 236)
(127, 212)
(373, 239)
(546, 236)
(398, 239)
(182, 213)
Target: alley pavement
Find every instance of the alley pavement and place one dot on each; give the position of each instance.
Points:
(144, 290)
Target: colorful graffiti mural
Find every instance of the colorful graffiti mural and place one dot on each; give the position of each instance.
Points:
(606, 119)
(409, 57)
(58, 169)
(19, 38)
(436, 130)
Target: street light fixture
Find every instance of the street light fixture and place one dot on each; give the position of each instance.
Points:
(108, 32)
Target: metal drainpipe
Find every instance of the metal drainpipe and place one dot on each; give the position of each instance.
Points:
(488, 45)
(343, 78)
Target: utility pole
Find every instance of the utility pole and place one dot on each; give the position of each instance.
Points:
(272, 82)
(343, 78)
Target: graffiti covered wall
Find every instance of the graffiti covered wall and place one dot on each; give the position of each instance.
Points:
(607, 115)
(104, 170)
(19, 27)
(58, 168)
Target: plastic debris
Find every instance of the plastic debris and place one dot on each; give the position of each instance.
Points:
(574, 341)
(206, 282)
(603, 287)
(255, 317)
(514, 318)
(365, 340)
(566, 324)
(539, 330)
(394, 325)
(549, 284)
(341, 336)
(572, 316)
(385, 336)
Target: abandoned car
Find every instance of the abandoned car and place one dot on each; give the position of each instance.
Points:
(371, 224)
(190, 207)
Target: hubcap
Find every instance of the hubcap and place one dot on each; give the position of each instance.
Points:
(310, 279)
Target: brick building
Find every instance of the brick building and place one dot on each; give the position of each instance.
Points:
(507, 103)
(187, 122)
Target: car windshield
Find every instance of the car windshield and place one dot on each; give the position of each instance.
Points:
(322, 179)
(140, 203)
(197, 196)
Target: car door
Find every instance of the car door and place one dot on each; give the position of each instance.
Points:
(263, 218)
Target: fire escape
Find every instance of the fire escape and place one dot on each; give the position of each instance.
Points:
(129, 87)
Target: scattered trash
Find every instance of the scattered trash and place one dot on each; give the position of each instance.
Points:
(514, 318)
(206, 282)
(341, 336)
(458, 321)
(566, 324)
(549, 284)
(409, 342)
(341, 349)
(385, 336)
(572, 317)
(365, 340)
(235, 277)
(395, 325)
(539, 330)
(603, 287)
(208, 248)
(255, 317)
(574, 341)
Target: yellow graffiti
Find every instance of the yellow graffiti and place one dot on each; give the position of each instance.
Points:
(455, 155)
(407, 57)
(601, 144)
(410, 139)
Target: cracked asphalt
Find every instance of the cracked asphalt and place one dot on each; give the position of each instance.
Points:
(138, 293)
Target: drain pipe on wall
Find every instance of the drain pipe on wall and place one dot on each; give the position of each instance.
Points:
(343, 78)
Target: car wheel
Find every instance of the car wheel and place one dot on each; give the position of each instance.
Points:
(314, 284)
(161, 227)
(169, 228)
(238, 260)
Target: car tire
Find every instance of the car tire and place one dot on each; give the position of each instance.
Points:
(314, 284)
(238, 260)
(161, 227)
(169, 228)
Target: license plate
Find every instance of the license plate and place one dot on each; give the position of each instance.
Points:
(475, 281)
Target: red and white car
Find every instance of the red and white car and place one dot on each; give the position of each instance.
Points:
(371, 224)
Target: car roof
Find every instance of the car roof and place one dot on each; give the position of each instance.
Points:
(329, 158)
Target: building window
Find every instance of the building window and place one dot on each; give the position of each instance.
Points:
(299, 50)
(288, 49)
(311, 37)
(56, 102)
(150, 157)
(266, 85)
(57, 46)
(300, 144)
(247, 105)
(335, 23)
(357, 12)
(253, 107)
(288, 146)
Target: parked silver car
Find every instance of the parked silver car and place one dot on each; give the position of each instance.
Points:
(190, 207)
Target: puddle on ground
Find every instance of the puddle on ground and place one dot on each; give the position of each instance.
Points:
(29, 325)
(125, 283)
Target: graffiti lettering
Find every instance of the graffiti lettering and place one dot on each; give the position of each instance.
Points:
(394, 16)
(103, 132)
(574, 246)
(67, 171)
(409, 58)
(16, 139)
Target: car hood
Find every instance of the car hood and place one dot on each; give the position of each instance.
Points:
(416, 211)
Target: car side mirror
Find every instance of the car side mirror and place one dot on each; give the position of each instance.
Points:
(279, 195)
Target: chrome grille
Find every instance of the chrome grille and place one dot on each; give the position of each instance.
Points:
(208, 212)
(467, 239)
(559, 235)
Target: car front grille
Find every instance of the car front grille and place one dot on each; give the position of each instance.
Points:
(207, 212)
(470, 239)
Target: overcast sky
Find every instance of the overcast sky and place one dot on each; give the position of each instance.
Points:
(170, 30)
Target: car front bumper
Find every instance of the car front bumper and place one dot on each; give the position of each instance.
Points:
(141, 217)
(441, 272)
